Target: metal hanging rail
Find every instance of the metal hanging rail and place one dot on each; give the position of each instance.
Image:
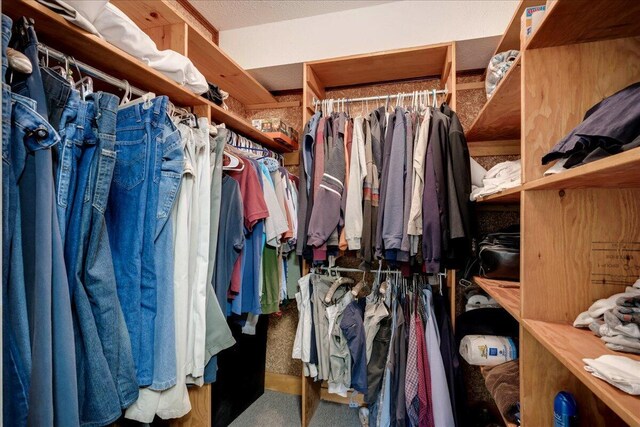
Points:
(317, 102)
(89, 70)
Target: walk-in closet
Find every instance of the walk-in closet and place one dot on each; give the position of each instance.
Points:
(320, 213)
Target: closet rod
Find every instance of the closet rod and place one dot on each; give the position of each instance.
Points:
(89, 70)
(357, 270)
(317, 102)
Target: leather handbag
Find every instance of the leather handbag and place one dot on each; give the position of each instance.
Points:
(499, 255)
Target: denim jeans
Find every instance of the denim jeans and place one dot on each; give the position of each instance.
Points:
(53, 388)
(148, 168)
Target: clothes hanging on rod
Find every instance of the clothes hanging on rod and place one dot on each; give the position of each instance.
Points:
(113, 217)
(393, 185)
(385, 346)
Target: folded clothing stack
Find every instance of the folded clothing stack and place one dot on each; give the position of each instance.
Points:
(501, 177)
(609, 127)
(619, 371)
(616, 320)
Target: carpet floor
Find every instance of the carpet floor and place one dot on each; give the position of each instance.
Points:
(275, 409)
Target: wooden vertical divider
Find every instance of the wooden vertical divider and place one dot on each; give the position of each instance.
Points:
(542, 376)
(171, 36)
(312, 87)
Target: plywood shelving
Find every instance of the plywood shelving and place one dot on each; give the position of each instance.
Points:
(583, 21)
(213, 62)
(570, 345)
(512, 195)
(618, 171)
(506, 293)
(500, 116)
(56, 32)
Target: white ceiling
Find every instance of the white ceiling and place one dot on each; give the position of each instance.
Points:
(229, 14)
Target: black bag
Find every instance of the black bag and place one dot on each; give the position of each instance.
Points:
(499, 255)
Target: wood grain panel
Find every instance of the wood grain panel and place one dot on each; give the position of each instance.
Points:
(619, 171)
(542, 376)
(424, 61)
(561, 250)
(562, 83)
(311, 391)
(200, 415)
(506, 147)
(171, 36)
(500, 116)
(512, 195)
(580, 21)
(289, 384)
(506, 293)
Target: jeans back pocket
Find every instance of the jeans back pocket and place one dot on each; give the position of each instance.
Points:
(131, 161)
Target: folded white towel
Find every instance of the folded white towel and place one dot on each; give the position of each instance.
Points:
(619, 371)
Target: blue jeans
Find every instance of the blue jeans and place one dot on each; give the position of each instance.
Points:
(146, 180)
(86, 157)
(53, 389)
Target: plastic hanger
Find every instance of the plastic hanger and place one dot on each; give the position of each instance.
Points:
(340, 281)
(126, 98)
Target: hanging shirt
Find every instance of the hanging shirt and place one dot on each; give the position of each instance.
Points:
(353, 223)
(230, 238)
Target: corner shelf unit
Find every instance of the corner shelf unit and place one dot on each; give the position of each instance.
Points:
(56, 32)
(575, 222)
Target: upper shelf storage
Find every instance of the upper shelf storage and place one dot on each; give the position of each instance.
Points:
(424, 61)
(58, 33)
(580, 21)
(511, 37)
(618, 171)
(216, 65)
(500, 117)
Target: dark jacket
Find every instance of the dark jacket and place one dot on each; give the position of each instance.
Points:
(458, 176)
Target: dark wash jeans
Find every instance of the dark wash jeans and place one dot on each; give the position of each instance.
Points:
(53, 390)
(147, 174)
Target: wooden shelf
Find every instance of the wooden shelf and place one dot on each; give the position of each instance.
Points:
(512, 195)
(283, 138)
(570, 345)
(511, 37)
(210, 60)
(424, 61)
(56, 32)
(506, 293)
(618, 171)
(580, 21)
(507, 423)
(500, 116)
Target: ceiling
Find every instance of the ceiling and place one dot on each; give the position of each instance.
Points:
(227, 15)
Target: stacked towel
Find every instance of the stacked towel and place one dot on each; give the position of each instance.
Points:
(619, 371)
(616, 320)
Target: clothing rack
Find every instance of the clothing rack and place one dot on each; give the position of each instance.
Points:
(317, 102)
(89, 70)
(242, 143)
(358, 270)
